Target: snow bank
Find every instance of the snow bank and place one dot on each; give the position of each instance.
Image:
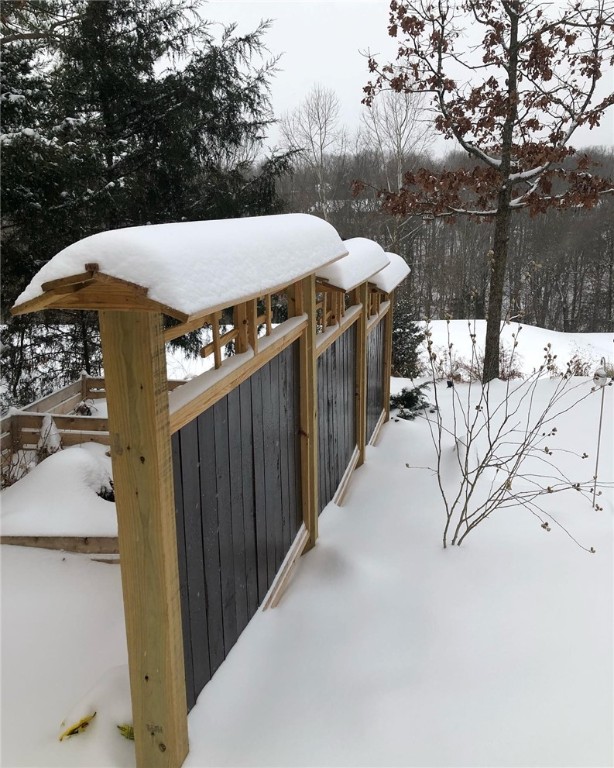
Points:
(197, 265)
(365, 258)
(388, 279)
(59, 496)
(529, 354)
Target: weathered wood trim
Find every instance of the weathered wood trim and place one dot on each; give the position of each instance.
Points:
(361, 373)
(134, 360)
(308, 378)
(183, 415)
(45, 404)
(34, 421)
(324, 340)
(287, 568)
(345, 480)
(376, 429)
(93, 545)
(180, 330)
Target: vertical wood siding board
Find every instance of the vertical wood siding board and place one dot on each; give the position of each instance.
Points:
(190, 482)
(270, 468)
(224, 512)
(321, 366)
(183, 571)
(332, 420)
(346, 406)
(295, 432)
(330, 466)
(259, 491)
(342, 395)
(247, 479)
(276, 398)
(211, 544)
(326, 428)
(284, 416)
(323, 425)
(351, 436)
(236, 506)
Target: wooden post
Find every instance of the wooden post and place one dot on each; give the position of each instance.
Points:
(388, 354)
(240, 322)
(361, 372)
(135, 378)
(309, 410)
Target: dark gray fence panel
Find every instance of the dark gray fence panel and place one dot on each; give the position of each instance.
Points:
(375, 376)
(238, 504)
(336, 417)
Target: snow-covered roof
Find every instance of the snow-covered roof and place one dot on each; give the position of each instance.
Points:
(192, 267)
(365, 258)
(396, 271)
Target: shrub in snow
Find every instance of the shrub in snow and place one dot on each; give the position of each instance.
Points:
(498, 449)
(410, 401)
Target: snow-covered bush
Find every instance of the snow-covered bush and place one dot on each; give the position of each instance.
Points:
(495, 443)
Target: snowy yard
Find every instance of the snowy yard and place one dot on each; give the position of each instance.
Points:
(386, 649)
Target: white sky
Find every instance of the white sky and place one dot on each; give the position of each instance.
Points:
(321, 42)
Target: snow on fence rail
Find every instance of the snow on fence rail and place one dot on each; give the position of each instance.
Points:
(219, 485)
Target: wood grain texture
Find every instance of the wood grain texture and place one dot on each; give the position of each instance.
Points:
(135, 378)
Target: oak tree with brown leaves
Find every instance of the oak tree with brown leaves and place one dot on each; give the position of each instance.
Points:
(513, 103)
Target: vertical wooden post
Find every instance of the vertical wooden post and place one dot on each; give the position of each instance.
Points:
(388, 354)
(240, 322)
(361, 372)
(252, 324)
(135, 377)
(308, 407)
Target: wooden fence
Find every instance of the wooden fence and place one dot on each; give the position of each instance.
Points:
(219, 485)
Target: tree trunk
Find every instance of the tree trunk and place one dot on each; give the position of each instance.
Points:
(498, 261)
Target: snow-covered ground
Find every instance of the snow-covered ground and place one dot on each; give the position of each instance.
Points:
(385, 650)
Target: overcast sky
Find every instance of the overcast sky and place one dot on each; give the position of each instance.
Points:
(321, 42)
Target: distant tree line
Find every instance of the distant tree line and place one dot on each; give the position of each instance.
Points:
(560, 271)
(119, 114)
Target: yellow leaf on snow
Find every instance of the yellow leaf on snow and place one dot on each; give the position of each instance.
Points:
(78, 727)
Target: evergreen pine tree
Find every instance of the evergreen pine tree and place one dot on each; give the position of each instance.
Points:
(118, 114)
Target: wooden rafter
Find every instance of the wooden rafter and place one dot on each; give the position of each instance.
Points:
(95, 290)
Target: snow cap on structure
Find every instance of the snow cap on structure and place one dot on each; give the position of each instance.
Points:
(365, 258)
(388, 279)
(194, 266)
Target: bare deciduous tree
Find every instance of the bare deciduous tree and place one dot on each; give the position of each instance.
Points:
(314, 131)
(523, 93)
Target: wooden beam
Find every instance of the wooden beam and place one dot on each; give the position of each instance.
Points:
(63, 282)
(240, 323)
(252, 324)
(135, 380)
(309, 413)
(361, 373)
(93, 545)
(282, 579)
(377, 428)
(345, 480)
(47, 403)
(180, 330)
